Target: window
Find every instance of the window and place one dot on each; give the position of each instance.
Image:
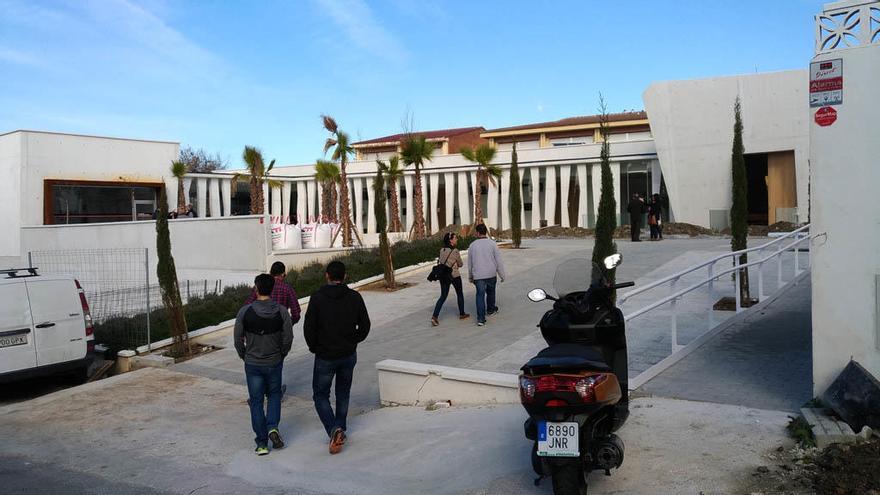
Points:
(629, 136)
(571, 141)
(68, 202)
(520, 145)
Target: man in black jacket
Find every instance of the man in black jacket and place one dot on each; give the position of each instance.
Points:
(263, 336)
(336, 322)
(636, 209)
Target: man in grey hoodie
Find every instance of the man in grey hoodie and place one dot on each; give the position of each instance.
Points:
(263, 336)
(485, 268)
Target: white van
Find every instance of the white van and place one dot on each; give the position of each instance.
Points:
(45, 325)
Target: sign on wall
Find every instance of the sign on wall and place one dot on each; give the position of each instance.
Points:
(826, 83)
(825, 116)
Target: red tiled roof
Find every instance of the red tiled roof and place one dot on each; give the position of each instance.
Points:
(588, 119)
(442, 133)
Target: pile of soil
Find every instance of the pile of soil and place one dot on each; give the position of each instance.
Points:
(782, 227)
(682, 228)
(763, 230)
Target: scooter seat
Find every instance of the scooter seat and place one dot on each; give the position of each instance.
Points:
(568, 356)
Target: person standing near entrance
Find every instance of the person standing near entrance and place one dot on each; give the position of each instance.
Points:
(485, 268)
(451, 257)
(636, 209)
(336, 322)
(263, 336)
(282, 292)
(654, 214)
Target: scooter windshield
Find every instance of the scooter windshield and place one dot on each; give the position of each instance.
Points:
(573, 276)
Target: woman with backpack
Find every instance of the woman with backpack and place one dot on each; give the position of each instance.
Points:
(450, 258)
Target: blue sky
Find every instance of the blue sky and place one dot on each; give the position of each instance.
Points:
(222, 74)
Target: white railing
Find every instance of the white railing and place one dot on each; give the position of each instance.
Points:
(796, 237)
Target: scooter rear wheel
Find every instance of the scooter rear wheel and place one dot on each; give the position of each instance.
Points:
(568, 479)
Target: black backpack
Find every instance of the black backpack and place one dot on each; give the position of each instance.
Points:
(441, 271)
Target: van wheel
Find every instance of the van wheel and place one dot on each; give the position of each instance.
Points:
(568, 479)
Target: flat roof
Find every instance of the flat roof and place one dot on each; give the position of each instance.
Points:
(572, 121)
(438, 134)
(88, 136)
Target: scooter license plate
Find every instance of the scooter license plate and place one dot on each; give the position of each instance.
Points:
(558, 439)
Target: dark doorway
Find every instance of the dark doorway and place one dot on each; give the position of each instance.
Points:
(756, 172)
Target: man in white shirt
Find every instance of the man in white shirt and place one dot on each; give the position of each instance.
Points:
(485, 268)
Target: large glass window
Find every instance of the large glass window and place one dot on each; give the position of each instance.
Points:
(79, 202)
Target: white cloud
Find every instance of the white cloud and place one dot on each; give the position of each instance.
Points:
(361, 27)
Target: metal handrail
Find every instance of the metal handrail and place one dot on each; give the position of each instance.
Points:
(622, 298)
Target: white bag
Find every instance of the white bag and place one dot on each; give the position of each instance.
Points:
(323, 235)
(308, 236)
(277, 236)
(294, 237)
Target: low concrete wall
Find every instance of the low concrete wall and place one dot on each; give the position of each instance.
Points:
(417, 384)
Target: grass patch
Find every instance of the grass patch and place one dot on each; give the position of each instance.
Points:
(801, 431)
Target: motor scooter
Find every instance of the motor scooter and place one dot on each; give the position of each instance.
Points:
(575, 390)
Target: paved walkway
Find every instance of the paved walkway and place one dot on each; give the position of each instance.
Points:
(762, 360)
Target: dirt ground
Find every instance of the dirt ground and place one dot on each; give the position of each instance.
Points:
(837, 470)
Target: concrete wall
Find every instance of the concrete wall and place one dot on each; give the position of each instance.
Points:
(846, 177)
(692, 122)
(227, 243)
(10, 197)
(417, 384)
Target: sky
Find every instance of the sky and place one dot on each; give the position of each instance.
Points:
(220, 75)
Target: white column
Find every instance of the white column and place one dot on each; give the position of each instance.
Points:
(357, 204)
(276, 202)
(535, 177)
(449, 177)
(319, 189)
(310, 200)
(434, 181)
(492, 207)
(550, 195)
(301, 199)
(582, 199)
(564, 182)
(215, 198)
(265, 198)
(464, 204)
(285, 200)
(597, 188)
(475, 183)
(201, 197)
(226, 189)
(505, 199)
(426, 187)
(615, 177)
(368, 208)
(187, 183)
(410, 213)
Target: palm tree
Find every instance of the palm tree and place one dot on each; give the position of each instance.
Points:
(327, 175)
(257, 173)
(392, 172)
(342, 149)
(416, 150)
(482, 155)
(178, 169)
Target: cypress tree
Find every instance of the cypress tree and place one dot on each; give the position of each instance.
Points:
(606, 219)
(382, 228)
(167, 275)
(515, 201)
(739, 228)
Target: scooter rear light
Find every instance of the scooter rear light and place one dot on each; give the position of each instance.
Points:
(526, 389)
(556, 403)
(595, 387)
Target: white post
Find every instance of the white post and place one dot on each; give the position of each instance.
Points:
(736, 289)
(215, 198)
(673, 305)
(449, 190)
(535, 175)
(301, 198)
(550, 195)
(564, 183)
(226, 186)
(779, 270)
(310, 200)
(582, 198)
(426, 187)
(505, 199)
(276, 202)
(285, 200)
(464, 204)
(760, 281)
(434, 182)
(202, 197)
(187, 183)
(597, 188)
(265, 199)
(492, 207)
(410, 213)
(797, 257)
(368, 208)
(324, 215)
(711, 296)
(615, 177)
(358, 203)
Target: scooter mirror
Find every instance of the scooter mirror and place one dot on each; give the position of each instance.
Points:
(613, 260)
(537, 295)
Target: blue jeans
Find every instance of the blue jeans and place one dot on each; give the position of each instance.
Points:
(322, 379)
(485, 297)
(444, 292)
(263, 381)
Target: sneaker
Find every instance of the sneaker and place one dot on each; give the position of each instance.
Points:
(464, 316)
(434, 321)
(493, 312)
(481, 323)
(337, 440)
(275, 437)
(261, 450)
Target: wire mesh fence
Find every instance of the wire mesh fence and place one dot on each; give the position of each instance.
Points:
(117, 286)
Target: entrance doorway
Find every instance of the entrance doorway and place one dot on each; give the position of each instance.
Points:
(772, 188)
(756, 174)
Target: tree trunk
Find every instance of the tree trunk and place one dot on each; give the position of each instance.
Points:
(334, 204)
(181, 197)
(345, 210)
(256, 196)
(478, 199)
(744, 293)
(387, 262)
(395, 208)
(419, 223)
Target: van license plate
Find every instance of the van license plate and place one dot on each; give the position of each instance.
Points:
(12, 340)
(558, 439)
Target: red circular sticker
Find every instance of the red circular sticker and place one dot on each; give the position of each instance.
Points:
(825, 116)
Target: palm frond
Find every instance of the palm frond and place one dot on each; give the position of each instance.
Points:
(254, 160)
(485, 154)
(271, 165)
(178, 169)
(329, 123)
(468, 153)
(382, 166)
(275, 183)
(236, 178)
(329, 144)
